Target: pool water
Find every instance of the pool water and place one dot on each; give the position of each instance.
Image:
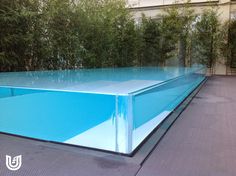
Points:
(108, 109)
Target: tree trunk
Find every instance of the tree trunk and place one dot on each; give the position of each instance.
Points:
(182, 51)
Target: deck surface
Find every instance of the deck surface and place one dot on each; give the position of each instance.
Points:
(202, 142)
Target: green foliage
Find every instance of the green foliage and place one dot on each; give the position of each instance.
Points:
(60, 35)
(207, 38)
(19, 20)
(151, 37)
(69, 34)
(64, 34)
(177, 20)
(108, 33)
(232, 43)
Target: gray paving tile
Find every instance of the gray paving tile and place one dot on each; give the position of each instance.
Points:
(202, 142)
(42, 160)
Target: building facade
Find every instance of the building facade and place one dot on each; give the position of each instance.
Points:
(153, 8)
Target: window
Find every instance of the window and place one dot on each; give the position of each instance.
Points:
(233, 15)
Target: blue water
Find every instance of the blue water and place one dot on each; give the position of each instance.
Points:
(110, 109)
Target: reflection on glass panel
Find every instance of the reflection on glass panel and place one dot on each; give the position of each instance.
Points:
(107, 109)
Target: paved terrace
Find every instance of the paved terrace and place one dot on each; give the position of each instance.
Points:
(201, 142)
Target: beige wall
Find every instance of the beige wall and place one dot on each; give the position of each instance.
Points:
(155, 9)
(151, 3)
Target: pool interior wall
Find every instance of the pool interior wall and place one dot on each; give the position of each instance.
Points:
(108, 109)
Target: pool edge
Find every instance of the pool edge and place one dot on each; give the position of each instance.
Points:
(143, 150)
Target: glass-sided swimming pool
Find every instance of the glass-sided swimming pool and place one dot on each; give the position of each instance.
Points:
(108, 109)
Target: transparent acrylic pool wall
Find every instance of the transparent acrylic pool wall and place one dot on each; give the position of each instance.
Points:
(116, 122)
